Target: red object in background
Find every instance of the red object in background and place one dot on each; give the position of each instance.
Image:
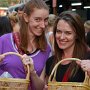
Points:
(54, 3)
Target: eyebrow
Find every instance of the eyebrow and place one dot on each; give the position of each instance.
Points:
(64, 31)
(41, 17)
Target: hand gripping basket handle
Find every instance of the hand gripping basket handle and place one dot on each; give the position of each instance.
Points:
(28, 68)
(56, 66)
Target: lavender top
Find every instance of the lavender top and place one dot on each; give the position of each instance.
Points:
(13, 64)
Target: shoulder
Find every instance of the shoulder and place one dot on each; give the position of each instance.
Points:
(5, 39)
(5, 36)
(48, 65)
(48, 49)
(50, 60)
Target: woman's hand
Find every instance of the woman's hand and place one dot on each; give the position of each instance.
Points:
(45, 87)
(28, 60)
(85, 65)
(1, 57)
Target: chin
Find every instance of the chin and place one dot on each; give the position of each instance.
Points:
(62, 47)
(38, 34)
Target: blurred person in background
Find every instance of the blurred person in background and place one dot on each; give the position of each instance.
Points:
(5, 25)
(87, 31)
(14, 22)
(87, 26)
(19, 11)
(49, 31)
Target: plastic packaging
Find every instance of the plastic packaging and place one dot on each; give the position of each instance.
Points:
(6, 75)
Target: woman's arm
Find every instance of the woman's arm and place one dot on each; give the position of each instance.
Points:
(1, 57)
(37, 82)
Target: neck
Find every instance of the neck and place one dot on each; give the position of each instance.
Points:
(31, 41)
(68, 53)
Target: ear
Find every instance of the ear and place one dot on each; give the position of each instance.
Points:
(26, 17)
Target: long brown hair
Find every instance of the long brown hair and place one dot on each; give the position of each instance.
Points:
(80, 48)
(28, 9)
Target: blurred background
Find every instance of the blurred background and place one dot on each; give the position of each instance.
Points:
(56, 6)
(5, 4)
(80, 6)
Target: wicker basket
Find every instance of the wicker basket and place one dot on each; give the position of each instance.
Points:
(54, 85)
(15, 83)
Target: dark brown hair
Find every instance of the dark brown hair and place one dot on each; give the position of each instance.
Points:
(75, 21)
(28, 9)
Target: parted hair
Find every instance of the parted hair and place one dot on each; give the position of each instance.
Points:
(80, 48)
(28, 9)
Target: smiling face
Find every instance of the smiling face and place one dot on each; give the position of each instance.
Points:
(38, 21)
(65, 35)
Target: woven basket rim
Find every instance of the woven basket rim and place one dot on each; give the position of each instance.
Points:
(67, 83)
(14, 80)
(74, 84)
(12, 88)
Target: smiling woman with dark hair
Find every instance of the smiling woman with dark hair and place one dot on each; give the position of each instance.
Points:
(69, 42)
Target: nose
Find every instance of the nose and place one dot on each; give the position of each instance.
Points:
(42, 24)
(62, 36)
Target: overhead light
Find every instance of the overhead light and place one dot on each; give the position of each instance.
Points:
(73, 9)
(60, 6)
(76, 4)
(86, 7)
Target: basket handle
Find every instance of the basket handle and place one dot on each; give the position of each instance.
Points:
(28, 68)
(56, 66)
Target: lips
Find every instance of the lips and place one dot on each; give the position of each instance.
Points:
(62, 42)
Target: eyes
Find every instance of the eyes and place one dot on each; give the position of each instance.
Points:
(40, 19)
(65, 32)
(37, 19)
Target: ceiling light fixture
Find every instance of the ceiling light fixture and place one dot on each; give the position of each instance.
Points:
(85, 7)
(73, 9)
(76, 4)
(60, 6)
